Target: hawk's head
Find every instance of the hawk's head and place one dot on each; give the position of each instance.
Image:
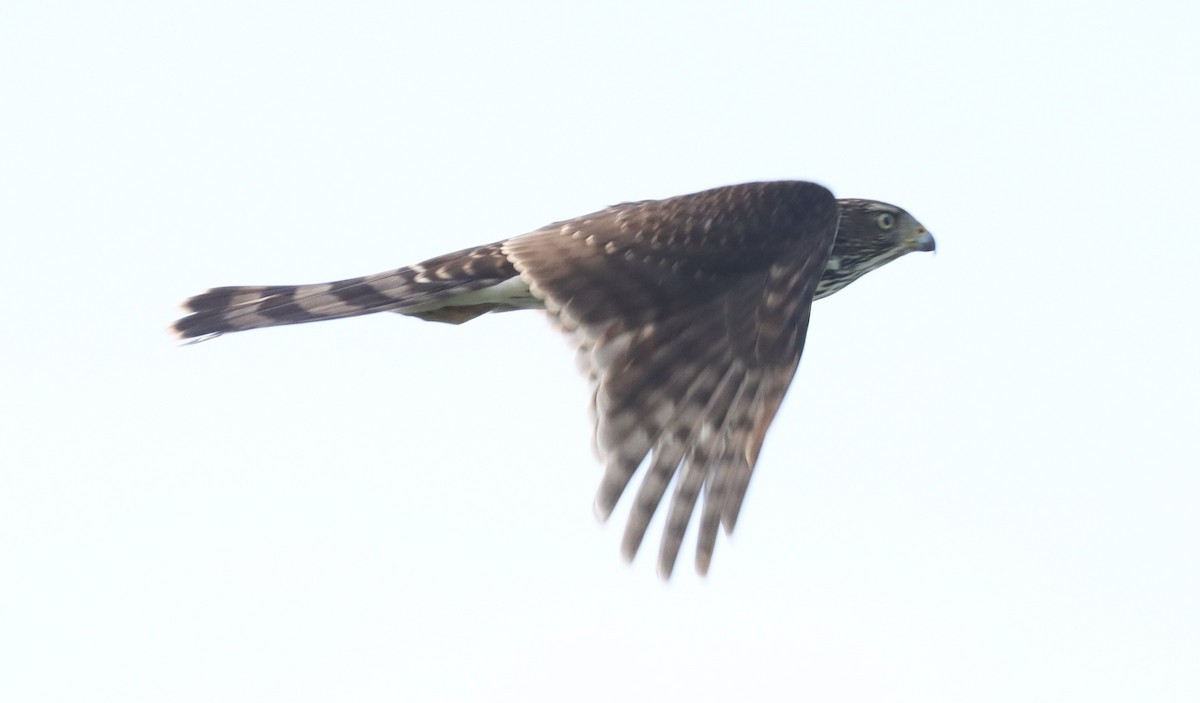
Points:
(869, 235)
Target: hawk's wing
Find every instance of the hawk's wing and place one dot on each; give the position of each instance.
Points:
(690, 315)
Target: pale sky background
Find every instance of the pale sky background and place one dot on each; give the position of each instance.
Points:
(983, 486)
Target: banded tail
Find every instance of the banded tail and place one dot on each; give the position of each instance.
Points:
(451, 288)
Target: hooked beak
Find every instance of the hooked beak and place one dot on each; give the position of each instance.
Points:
(923, 241)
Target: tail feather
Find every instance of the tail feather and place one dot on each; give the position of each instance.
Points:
(415, 289)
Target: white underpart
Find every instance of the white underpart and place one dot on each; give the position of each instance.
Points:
(512, 292)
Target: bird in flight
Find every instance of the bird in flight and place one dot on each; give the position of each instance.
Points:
(689, 313)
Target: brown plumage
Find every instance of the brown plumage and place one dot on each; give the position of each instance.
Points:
(690, 314)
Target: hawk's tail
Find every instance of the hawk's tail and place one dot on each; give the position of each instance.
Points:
(434, 289)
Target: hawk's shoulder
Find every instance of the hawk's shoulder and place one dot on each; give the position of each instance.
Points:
(654, 255)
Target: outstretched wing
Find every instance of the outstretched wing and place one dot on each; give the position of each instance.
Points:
(690, 314)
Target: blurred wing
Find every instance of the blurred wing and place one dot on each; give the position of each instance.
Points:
(690, 314)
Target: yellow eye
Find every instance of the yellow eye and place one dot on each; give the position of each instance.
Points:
(885, 220)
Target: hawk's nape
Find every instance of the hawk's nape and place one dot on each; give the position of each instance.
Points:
(690, 314)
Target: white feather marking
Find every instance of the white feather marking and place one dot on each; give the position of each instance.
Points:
(512, 292)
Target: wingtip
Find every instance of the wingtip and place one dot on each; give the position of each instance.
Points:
(631, 541)
(601, 509)
(668, 555)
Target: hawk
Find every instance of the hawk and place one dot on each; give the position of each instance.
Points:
(689, 313)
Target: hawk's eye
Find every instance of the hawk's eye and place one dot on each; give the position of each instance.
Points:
(885, 220)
